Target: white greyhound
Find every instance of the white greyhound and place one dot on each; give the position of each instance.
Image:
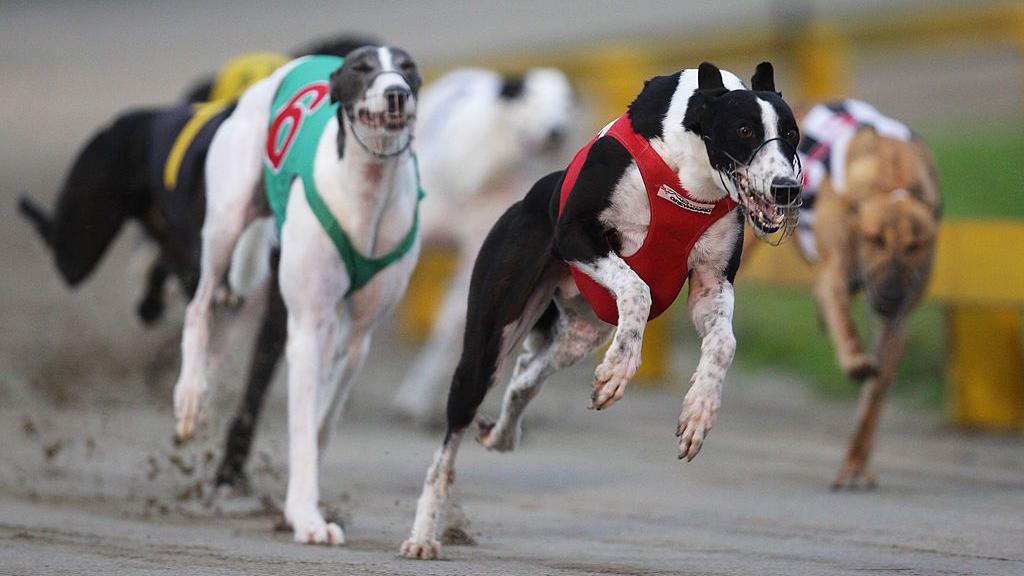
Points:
(331, 145)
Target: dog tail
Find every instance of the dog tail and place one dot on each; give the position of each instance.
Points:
(250, 262)
(38, 217)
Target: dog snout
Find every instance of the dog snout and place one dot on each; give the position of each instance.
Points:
(555, 137)
(785, 190)
(888, 296)
(397, 100)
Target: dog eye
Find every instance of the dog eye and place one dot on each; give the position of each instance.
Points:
(792, 135)
(745, 132)
(407, 65)
(362, 67)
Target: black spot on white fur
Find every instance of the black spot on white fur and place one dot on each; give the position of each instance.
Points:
(512, 86)
(647, 112)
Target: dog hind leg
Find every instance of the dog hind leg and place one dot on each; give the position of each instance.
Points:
(269, 347)
(571, 333)
(507, 297)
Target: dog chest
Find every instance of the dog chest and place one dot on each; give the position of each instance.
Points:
(677, 221)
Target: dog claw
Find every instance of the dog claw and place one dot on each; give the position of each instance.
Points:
(318, 531)
(486, 436)
(695, 422)
(417, 549)
(187, 404)
(854, 476)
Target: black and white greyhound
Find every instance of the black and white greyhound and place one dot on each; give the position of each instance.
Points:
(725, 143)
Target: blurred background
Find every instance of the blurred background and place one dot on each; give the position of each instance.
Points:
(953, 71)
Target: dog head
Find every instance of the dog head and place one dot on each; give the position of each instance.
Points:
(376, 88)
(750, 137)
(538, 107)
(894, 241)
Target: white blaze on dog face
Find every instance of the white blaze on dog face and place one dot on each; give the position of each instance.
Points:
(540, 107)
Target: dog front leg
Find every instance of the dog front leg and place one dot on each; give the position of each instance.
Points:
(833, 297)
(307, 339)
(220, 232)
(633, 300)
(711, 303)
(854, 471)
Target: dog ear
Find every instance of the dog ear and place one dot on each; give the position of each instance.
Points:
(345, 86)
(709, 77)
(334, 81)
(698, 112)
(763, 79)
(512, 86)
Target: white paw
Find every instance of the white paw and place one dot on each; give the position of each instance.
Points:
(420, 549)
(188, 400)
(493, 439)
(612, 376)
(695, 422)
(313, 529)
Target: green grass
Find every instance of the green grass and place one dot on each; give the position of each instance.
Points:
(982, 176)
(981, 171)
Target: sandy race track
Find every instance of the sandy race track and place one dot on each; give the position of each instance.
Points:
(90, 482)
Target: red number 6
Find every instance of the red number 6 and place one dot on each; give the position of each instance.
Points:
(290, 118)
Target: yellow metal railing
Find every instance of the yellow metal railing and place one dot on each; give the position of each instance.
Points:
(984, 296)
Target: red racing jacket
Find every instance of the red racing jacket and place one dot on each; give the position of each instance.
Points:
(677, 222)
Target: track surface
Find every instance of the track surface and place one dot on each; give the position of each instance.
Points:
(89, 481)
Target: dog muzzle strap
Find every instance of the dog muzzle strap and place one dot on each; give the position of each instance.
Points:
(381, 121)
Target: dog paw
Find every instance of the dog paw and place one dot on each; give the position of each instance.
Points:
(861, 367)
(313, 529)
(695, 422)
(492, 438)
(188, 400)
(854, 475)
(611, 378)
(420, 549)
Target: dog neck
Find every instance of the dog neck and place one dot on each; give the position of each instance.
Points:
(684, 153)
(381, 191)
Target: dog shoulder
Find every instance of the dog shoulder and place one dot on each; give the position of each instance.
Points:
(583, 232)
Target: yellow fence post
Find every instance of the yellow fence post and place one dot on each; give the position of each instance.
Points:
(822, 63)
(420, 306)
(986, 370)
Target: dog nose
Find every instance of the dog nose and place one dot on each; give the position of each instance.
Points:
(396, 98)
(785, 190)
(889, 295)
(555, 137)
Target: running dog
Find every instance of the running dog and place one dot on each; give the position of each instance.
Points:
(323, 147)
(147, 166)
(658, 197)
(869, 222)
(482, 138)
